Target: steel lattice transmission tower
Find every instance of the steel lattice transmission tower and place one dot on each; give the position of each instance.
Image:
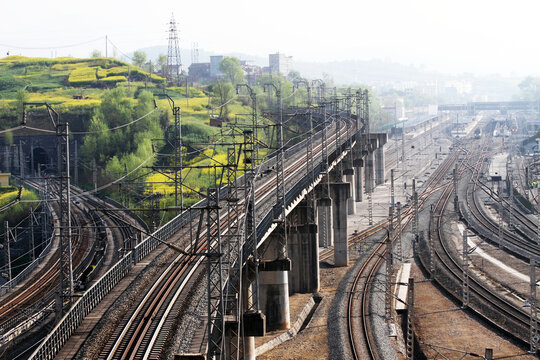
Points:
(174, 63)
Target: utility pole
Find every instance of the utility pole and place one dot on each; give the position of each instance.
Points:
(8, 250)
(431, 245)
(174, 62)
(21, 161)
(500, 208)
(178, 166)
(279, 210)
(389, 270)
(511, 191)
(392, 187)
(66, 272)
(465, 269)
(76, 161)
(533, 339)
(399, 247)
(410, 320)
(94, 174)
(415, 209)
(455, 177)
(32, 243)
(65, 293)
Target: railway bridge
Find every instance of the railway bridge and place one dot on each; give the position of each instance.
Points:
(261, 240)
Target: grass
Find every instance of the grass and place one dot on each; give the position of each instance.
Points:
(56, 81)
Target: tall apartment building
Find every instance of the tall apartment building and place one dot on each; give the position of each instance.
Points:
(214, 66)
(280, 64)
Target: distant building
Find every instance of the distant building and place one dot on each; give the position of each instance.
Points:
(215, 121)
(199, 71)
(4, 179)
(214, 66)
(251, 71)
(280, 64)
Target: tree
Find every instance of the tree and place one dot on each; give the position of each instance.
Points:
(294, 76)
(162, 63)
(530, 88)
(139, 58)
(20, 98)
(223, 93)
(230, 66)
(96, 53)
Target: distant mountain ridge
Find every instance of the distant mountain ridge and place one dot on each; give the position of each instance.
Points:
(348, 72)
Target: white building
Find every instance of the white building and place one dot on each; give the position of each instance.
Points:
(214, 66)
(280, 64)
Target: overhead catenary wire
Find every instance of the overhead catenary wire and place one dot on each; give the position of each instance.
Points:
(53, 47)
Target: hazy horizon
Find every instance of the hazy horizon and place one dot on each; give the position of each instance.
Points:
(479, 37)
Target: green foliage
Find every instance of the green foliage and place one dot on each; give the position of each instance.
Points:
(139, 58)
(20, 98)
(18, 211)
(126, 147)
(162, 63)
(23, 61)
(95, 53)
(83, 76)
(113, 79)
(8, 138)
(231, 68)
(223, 92)
(9, 82)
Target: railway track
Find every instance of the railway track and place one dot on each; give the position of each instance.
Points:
(361, 340)
(485, 301)
(36, 299)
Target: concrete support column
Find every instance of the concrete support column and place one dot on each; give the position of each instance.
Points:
(379, 166)
(358, 190)
(274, 284)
(340, 193)
(324, 222)
(369, 172)
(349, 178)
(303, 250)
(274, 292)
(253, 322)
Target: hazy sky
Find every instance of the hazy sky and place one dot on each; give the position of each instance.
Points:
(477, 36)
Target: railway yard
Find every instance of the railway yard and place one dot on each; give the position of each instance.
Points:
(443, 257)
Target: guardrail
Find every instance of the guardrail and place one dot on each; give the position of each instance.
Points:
(23, 274)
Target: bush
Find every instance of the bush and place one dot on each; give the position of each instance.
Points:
(82, 76)
(113, 79)
(8, 82)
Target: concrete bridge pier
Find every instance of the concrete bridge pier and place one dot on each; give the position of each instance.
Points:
(253, 321)
(339, 191)
(274, 283)
(303, 249)
(348, 174)
(358, 164)
(369, 172)
(324, 218)
(379, 165)
(358, 188)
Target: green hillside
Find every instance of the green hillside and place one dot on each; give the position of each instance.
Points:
(100, 95)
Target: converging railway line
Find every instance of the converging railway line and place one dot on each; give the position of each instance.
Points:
(453, 274)
(95, 241)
